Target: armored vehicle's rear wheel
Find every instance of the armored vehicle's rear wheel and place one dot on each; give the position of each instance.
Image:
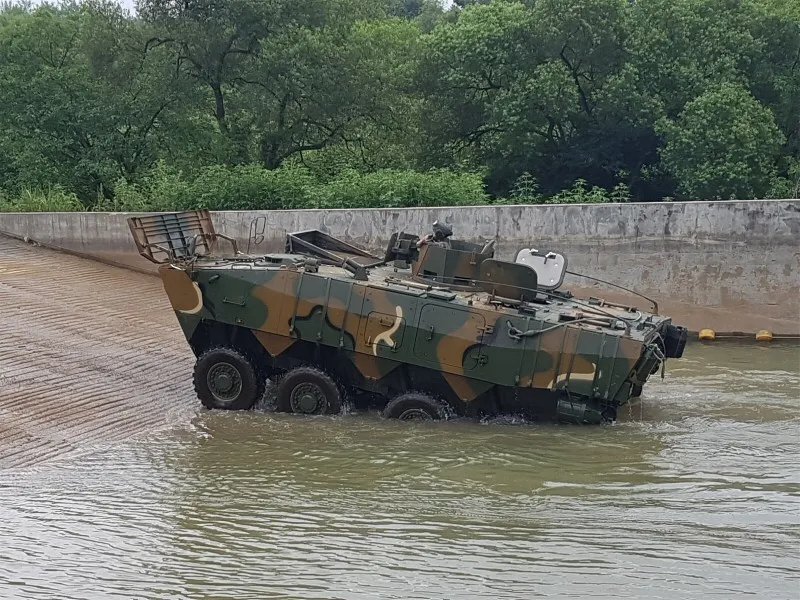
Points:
(414, 406)
(225, 378)
(309, 391)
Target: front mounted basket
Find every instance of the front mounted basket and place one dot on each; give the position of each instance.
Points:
(177, 236)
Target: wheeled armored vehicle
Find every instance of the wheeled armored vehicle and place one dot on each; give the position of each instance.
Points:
(434, 327)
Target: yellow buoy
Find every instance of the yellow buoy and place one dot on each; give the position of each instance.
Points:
(707, 334)
(764, 336)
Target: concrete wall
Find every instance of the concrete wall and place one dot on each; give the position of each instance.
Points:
(730, 266)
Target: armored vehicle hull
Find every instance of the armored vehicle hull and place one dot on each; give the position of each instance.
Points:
(331, 323)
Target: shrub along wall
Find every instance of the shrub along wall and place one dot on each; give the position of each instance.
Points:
(250, 187)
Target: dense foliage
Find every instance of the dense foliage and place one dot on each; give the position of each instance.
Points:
(342, 103)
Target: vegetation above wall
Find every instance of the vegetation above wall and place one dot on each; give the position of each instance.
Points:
(248, 104)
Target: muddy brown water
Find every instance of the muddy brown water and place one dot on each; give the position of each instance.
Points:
(114, 484)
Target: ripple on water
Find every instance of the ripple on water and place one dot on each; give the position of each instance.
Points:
(694, 496)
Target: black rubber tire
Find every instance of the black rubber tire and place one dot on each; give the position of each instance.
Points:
(315, 385)
(414, 405)
(223, 364)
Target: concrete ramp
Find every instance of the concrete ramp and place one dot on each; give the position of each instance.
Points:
(90, 354)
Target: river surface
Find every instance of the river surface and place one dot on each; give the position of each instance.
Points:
(695, 493)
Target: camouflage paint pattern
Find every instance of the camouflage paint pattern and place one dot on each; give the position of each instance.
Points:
(397, 331)
(380, 326)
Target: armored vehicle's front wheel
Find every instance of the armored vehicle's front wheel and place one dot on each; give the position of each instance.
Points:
(309, 391)
(225, 378)
(414, 406)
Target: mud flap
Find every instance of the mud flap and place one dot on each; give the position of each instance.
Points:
(675, 341)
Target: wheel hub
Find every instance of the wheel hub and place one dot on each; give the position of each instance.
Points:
(224, 381)
(307, 398)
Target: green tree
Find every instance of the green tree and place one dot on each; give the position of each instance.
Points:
(82, 103)
(213, 44)
(774, 74)
(465, 67)
(336, 87)
(282, 77)
(723, 145)
(374, 71)
(684, 47)
(546, 89)
(590, 100)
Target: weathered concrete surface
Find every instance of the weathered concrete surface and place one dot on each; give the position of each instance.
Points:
(730, 266)
(89, 355)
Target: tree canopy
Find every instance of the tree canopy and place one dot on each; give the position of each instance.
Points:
(486, 100)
